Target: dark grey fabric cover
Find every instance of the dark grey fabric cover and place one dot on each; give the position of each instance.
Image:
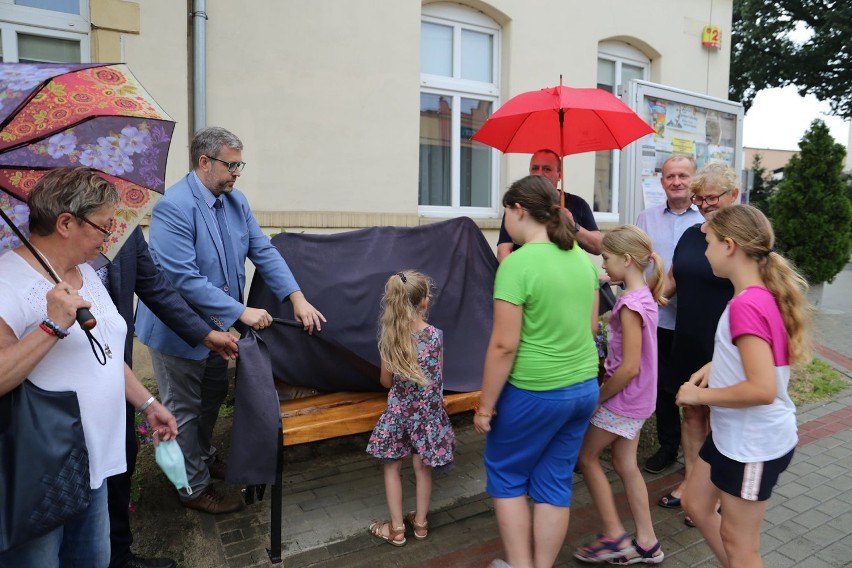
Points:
(343, 275)
(254, 434)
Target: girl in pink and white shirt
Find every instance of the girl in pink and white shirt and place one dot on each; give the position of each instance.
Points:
(752, 419)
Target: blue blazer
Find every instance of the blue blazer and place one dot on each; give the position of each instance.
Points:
(133, 271)
(185, 244)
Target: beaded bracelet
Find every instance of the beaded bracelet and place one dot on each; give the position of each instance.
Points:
(53, 329)
(476, 412)
(47, 330)
(146, 404)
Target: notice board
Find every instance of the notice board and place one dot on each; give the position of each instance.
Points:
(707, 128)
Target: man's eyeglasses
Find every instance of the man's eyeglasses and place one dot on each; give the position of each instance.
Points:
(233, 167)
(709, 200)
(107, 233)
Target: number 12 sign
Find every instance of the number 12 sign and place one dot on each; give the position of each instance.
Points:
(711, 37)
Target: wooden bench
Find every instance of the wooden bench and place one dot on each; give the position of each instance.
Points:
(331, 415)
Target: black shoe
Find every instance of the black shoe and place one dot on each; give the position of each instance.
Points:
(659, 461)
(139, 562)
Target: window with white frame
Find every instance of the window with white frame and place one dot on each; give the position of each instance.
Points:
(618, 63)
(44, 31)
(459, 56)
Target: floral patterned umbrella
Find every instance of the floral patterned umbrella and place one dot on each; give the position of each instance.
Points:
(56, 115)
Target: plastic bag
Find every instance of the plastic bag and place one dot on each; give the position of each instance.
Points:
(170, 459)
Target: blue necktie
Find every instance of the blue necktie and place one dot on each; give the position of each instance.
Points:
(233, 286)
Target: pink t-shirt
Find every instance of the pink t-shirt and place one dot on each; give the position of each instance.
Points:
(755, 433)
(637, 399)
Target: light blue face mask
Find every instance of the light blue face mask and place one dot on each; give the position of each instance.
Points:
(170, 459)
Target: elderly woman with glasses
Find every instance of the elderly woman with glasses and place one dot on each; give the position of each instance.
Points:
(701, 299)
(71, 216)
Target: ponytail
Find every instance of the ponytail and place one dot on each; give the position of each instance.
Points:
(658, 280)
(560, 230)
(789, 288)
(404, 293)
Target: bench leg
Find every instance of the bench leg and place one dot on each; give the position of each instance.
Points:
(277, 499)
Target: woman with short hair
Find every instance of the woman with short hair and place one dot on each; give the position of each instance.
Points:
(72, 213)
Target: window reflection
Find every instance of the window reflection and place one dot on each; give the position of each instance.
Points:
(475, 156)
(435, 146)
(41, 49)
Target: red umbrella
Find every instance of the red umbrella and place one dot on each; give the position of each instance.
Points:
(562, 119)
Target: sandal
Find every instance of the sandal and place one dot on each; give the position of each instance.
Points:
(421, 530)
(602, 549)
(642, 556)
(669, 502)
(687, 520)
(394, 534)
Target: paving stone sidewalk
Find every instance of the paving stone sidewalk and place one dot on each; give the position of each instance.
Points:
(333, 492)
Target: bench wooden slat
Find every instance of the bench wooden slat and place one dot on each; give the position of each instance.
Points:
(331, 415)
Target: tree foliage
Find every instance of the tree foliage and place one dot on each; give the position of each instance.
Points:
(761, 188)
(810, 212)
(763, 55)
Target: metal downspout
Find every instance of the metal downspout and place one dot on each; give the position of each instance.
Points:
(199, 65)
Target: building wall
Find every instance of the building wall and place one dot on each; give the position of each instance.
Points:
(325, 93)
(769, 159)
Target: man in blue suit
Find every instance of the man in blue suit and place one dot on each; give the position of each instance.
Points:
(201, 233)
(133, 271)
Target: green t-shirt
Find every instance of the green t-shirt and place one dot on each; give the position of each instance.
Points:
(556, 289)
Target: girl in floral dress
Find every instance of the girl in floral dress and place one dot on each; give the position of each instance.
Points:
(415, 421)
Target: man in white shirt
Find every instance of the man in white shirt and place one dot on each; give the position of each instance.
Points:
(665, 224)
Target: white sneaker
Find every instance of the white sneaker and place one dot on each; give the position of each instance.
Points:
(499, 563)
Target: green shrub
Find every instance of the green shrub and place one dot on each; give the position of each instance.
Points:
(811, 214)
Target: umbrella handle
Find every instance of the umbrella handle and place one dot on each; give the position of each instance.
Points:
(86, 319)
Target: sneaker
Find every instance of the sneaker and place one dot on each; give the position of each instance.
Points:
(213, 502)
(499, 563)
(659, 461)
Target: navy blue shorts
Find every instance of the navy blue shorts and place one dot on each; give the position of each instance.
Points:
(751, 481)
(535, 439)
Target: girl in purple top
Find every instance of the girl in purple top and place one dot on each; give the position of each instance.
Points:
(627, 398)
(752, 419)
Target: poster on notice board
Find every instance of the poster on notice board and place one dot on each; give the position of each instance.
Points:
(706, 135)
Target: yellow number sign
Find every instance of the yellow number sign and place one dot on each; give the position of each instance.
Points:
(711, 37)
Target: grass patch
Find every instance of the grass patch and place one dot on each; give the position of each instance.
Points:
(815, 382)
(227, 408)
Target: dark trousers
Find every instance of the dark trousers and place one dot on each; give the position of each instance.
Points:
(668, 414)
(118, 498)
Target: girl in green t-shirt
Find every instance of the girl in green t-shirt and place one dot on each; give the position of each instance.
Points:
(539, 385)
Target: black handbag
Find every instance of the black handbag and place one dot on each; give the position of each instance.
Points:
(44, 464)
